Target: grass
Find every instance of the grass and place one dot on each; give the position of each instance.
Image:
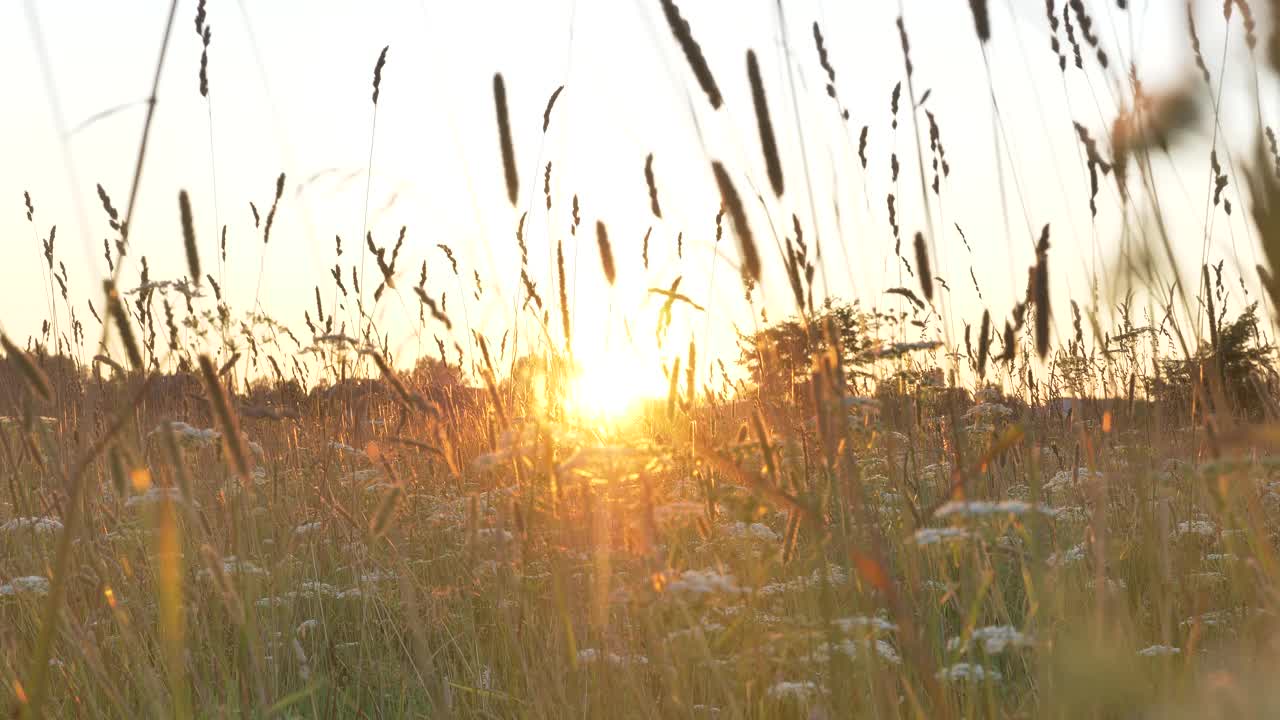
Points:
(912, 508)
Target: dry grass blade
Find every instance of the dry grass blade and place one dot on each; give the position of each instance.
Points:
(34, 376)
(1043, 310)
(504, 137)
(984, 343)
(768, 143)
(546, 123)
(923, 268)
(606, 252)
(692, 52)
(981, 19)
(653, 187)
(189, 237)
(115, 306)
(738, 215)
(377, 73)
(233, 442)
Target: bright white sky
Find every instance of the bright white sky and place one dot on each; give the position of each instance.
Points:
(290, 90)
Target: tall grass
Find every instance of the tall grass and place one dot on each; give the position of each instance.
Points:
(856, 516)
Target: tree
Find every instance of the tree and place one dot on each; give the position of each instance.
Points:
(780, 357)
(1241, 366)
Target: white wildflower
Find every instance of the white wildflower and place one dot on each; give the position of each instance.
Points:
(982, 508)
(589, 656)
(231, 565)
(37, 525)
(344, 449)
(30, 584)
(752, 531)
(968, 672)
(1066, 480)
(154, 495)
(993, 639)
(1159, 650)
(822, 653)
(864, 622)
(703, 583)
(936, 536)
(988, 410)
(799, 690)
(1203, 528)
(1072, 555)
(308, 529)
(677, 511)
(189, 435)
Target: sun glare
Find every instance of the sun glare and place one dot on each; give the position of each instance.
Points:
(613, 386)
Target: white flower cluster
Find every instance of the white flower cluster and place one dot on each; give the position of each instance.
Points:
(1066, 480)
(309, 590)
(231, 565)
(189, 435)
(1159, 651)
(154, 495)
(848, 647)
(30, 584)
(938, 536)
(1071, 556)
(988, 410)
(308, 529)
(993, 639)
(834, 575)
(1203, 528)
(983, 508)
(968, 672)
(864, 622)
(797, 690)
(588, 656)
(38, 525)
(751, 531)
(703, 583)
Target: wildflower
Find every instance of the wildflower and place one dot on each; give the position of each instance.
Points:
(495, 535)
(1073, 555)
(862, 622)
(588, 656)
(30, 584)
(306, 626)
(703, 583)
(967, 672)
(988, 410)
(155, 494)
(981, 508)
(1203, 528)
(1065, 480)
(233, 565)
(344, 449)
(822, 653)
(937, 536)
(993, 639)
(798, 690)
(676, 511)
(37, 525)
(189, 435)
(1159, 650)
(307, 529)
(753, 531)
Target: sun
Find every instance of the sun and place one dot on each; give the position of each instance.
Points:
(613, 386)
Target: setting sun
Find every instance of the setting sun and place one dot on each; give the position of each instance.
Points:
(613, 385)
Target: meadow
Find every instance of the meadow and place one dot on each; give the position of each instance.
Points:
(890, 506)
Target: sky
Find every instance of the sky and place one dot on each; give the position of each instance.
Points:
(290, 91)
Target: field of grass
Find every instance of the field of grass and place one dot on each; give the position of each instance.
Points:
(912, 508)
